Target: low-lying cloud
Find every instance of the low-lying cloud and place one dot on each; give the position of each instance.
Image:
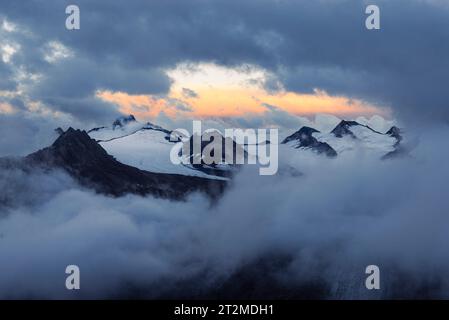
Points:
(331, 222)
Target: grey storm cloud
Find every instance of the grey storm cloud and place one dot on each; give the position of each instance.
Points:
(22, 133)
(307, 45)
(6, 82)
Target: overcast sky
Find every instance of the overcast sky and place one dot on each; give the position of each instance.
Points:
(305, 49)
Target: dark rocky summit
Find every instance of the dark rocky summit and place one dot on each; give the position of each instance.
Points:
(399, 149)
(395, 132)
(304, 139)
(122, 121)
(343, 129)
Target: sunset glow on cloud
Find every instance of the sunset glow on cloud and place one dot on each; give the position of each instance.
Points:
(6, 108)
(208, 90)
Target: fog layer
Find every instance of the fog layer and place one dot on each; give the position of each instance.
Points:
(333, 220)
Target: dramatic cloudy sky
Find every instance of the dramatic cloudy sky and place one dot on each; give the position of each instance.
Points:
(236, 61)
(223, 58)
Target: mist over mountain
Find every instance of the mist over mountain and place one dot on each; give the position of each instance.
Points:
(293, 236)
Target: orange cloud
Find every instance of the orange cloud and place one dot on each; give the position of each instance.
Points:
(228, 92)
(237, 102)
(6, 108)
(143, 106)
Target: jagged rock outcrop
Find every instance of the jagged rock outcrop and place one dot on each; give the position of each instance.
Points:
(122, 121)
(303, 138)
(399, 149)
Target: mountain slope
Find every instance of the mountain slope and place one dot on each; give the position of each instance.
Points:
(221, 167)
(144, 146)
(85, 160)
(347, 137)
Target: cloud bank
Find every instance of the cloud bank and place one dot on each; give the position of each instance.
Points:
(323, 227)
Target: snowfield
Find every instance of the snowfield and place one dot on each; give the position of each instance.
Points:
(147, 146)
(367, 141)
(143, 147)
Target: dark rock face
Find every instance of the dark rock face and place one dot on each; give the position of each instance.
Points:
(304, 135)
(395, 132)
(305, 140)
(342, 129)
(399, 150)
(85, 160)
(95, 129)
(120, 122)
(150, 126)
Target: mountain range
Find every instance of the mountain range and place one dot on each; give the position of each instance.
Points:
(133, 157)
(348, 136)
(75, 152)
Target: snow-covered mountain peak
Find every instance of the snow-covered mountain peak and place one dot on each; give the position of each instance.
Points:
(122, 127)
(345, 128)
(303, 138)
(342, 129)
(395, 132)
(353, 136)
(302, 134)
(145, 146)
(347, 136)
